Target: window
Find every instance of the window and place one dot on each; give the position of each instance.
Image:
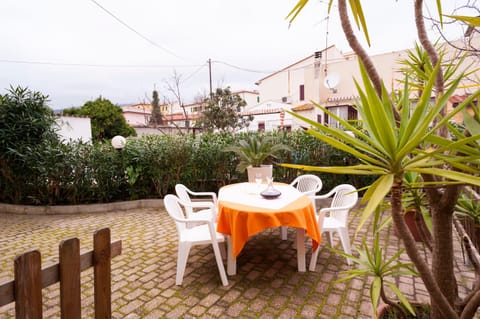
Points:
(302, 92)
(319, 118)
(345, 112)
(261, 126)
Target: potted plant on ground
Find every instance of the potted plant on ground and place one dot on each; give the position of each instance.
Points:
(372, 262)
(256, 153)
(415, 212)
(468, 211)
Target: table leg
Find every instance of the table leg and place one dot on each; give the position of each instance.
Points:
(231, 261)
(301, 250)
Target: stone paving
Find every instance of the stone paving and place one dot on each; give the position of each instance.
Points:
(267, 284)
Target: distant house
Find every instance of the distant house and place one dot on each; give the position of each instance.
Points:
(327, 78)
(272, 115)
(250, 97)
(137, 114)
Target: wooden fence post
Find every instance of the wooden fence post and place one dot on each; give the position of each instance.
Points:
(28, 286)
(102, 274)
(69, 272)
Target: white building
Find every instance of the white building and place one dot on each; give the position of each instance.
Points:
(327, 78)
(273, 115)
(74, 129)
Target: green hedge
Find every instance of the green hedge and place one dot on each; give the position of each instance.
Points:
(149, 167)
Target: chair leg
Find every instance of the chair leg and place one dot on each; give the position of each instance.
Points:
(183, 251)
(223, 250)
(313, 259)
(283, 230)
(219, 260)
(343, 233)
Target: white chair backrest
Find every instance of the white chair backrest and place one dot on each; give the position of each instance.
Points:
(182, 193)
(308, 184)
(346, 196)
(176, 210)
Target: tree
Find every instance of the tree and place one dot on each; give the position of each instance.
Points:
(411, 138)
(173, 86)
(107, 119)
(26, 123)
(157, 117)
(25, 120)
(222, 112)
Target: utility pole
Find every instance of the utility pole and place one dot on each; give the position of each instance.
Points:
(210, 75)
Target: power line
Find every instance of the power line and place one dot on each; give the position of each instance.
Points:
(135, 31)
(243, 69)
(194, 72)
(133, 66)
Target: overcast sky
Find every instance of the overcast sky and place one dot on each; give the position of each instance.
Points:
(77, 50)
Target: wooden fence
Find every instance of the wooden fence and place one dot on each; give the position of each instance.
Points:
(26, 288)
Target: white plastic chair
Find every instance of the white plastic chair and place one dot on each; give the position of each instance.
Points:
(198, 209)
(203, 233)
(309, 185)
(345, 197)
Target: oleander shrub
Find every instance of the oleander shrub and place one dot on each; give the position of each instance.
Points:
(52, 173)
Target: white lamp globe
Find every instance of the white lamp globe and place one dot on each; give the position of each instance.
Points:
(118, 142)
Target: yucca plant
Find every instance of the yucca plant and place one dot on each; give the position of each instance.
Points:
(372, 262)
(399, 138)
(256, 150)
(468, 207)
(389, 148)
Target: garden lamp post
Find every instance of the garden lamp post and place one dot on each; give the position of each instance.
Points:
(119, 142)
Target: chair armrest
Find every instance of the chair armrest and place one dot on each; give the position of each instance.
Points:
(327, 195)
(209, 194)
(201, 205)
(189, 220)
(333, 209)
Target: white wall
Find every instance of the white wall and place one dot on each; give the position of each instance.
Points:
(74, 128)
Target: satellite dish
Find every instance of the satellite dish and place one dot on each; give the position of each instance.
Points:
(331, 81)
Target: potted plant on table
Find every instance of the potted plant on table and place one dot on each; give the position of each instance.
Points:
(256, 153)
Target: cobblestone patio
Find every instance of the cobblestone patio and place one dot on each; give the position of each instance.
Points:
(267, 284)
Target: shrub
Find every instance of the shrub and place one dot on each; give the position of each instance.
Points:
(53, 173)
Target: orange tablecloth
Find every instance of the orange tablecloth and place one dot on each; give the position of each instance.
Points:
(241, 221)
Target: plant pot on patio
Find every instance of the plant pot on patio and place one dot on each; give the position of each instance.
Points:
(385, 311)
(257, 152)
(416, 225)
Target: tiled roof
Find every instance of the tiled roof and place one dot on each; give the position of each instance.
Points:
(303, 107)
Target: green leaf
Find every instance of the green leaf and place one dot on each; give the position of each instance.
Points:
(296, 10)
(376, 194)
(359, 17)
(401, 297)
(375, 289)
(452, 175)
(472, 21)
(472, 125)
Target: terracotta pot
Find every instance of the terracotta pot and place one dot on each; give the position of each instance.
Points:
(384, 311)
(265, 170)
(409, 217)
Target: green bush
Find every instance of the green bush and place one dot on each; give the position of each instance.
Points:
(53, 173)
